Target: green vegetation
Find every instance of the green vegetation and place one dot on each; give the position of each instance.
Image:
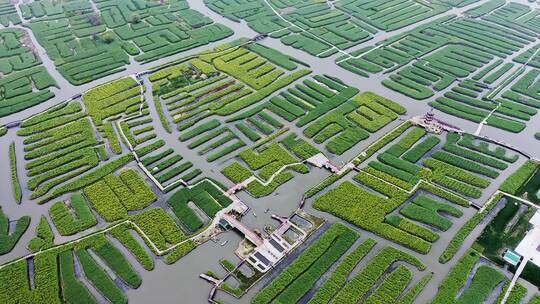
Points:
(496, 237)
(484, 281)
(8, 239)
(72, 218)
(128, 240)
(25, 82)
(82, 37)
(392, 285)
(99, 278)
(338, 278)
(514, 183)
(160, 227)
(17, 191)
(180, 251)
(113, 196)
(293, 282)
(44, 236)
(73, 289)
(272, 161)
(59, 147)
(465, 230)
(428, 211)
(205, 196)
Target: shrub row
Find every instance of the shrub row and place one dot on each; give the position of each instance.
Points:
(411, 295)
(180, 251)
(72, 289)
(123, 234)
(113, 196)
(368, 210)
(471, 155)
(262, 93)
(465, 164)
(414, 154)
(391, 287)
(383, 141)
(118, 263)
(99, 278)
(412, 228)
(89, 178)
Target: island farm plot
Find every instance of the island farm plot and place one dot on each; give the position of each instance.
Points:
(321, 29)
(24, 82)
(463, 58)
(88, 41)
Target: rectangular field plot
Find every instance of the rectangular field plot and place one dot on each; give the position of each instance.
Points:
(88, 42)
(417, 188)
(24, 82)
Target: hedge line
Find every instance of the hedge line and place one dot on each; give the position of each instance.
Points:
(514, 182)
(73, 290)
(99, 278)
(17, 190)
(118, 263)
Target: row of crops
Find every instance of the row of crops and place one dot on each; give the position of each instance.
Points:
(463, 57)
(24, 81)
(88, 41)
